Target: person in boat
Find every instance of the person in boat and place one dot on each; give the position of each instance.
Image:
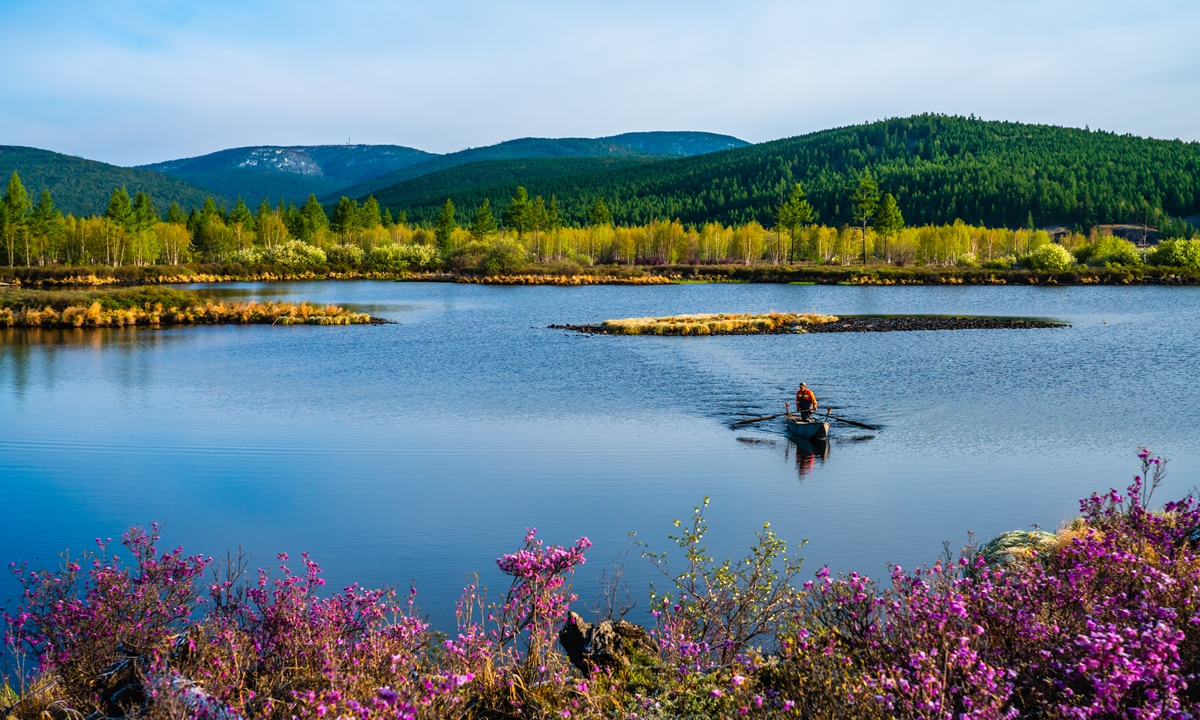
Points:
(806, 403)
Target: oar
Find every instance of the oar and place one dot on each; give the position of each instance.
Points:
(850, 422)
(754, 420)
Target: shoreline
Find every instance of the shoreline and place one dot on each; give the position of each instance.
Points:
(101, 276)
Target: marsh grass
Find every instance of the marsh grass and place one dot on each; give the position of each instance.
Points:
(156, 306)
(717, 324)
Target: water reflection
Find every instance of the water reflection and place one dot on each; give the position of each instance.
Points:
(808, 454)
(29, 355)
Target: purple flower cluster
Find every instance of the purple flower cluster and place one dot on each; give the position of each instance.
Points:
(1100, 620)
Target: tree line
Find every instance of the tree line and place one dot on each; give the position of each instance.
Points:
(938, 169)
(522, 229)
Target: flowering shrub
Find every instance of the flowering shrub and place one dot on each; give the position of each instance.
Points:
(73, 619)
(1050, 257)
(398, 258)
(1098, 620)
(345, 255)
(294, 254)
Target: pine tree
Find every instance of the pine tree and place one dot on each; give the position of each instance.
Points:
(345, 217)
(15, 220)
(599, 214)
(175, 215)
(241, 215)
(864, 201)
(519, 215)
(792, 214)
(120, 207)
(888, 221)
(47, 226)
(144, 215)
(368, 215)
(553, 216)
(445, 226)
(484, 222)
(211, 209)
(387, 218)
(538, 223)
(311, 218)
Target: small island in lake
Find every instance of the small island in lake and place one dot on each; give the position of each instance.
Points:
(798, 323)
(157, 306)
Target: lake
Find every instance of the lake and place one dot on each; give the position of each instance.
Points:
(421, 451)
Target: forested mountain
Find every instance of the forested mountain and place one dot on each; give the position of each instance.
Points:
(627, 145)
(83, 187)
(939, 168)
(292, 173)
(496, 177)
(677, 144)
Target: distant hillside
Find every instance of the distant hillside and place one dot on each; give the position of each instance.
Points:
(289, 172)
(939, 168)
(494, 176)
(83, 187)
(628, 145)
(678, 144)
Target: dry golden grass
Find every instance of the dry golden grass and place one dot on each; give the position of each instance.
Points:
(717, 324)
(209, 313)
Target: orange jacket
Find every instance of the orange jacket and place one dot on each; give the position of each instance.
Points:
(805, 400)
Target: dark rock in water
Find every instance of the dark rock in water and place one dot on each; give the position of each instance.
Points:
(604, 644)
(883, 323)
(874, 323)
(125, 688)
(121, 687)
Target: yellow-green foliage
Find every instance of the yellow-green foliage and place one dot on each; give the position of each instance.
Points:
(716, 324)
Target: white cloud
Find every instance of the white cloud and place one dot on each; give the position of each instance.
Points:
(150, 81)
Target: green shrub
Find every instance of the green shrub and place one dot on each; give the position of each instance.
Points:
(294, 254)
(398, 258)
(967, 260)
(1049, 257)
(345, 255)
(1109, 251)
(1176, 253)
(247, 256)
(1000, 263)
(503, 257)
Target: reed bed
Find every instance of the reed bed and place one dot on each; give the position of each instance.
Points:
(717, 324)
(157, 306)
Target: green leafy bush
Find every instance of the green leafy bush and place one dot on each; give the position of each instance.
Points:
(398, 258)
(247, 256)
(1049, 257)
(1108, 251)
(503, 257)
(294, 254)
(345, 255)
(1176, 253)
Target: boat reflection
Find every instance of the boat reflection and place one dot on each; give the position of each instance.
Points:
(808, 454)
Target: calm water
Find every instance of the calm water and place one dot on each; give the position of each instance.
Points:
(421, 450)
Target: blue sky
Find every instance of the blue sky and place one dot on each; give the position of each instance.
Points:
(135, 82)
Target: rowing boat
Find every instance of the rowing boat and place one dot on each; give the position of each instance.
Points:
(814, 430)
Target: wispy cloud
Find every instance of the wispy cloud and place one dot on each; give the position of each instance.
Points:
(136, 82)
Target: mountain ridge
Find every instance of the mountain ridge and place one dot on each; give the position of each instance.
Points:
(82, 187)
(939, 167)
